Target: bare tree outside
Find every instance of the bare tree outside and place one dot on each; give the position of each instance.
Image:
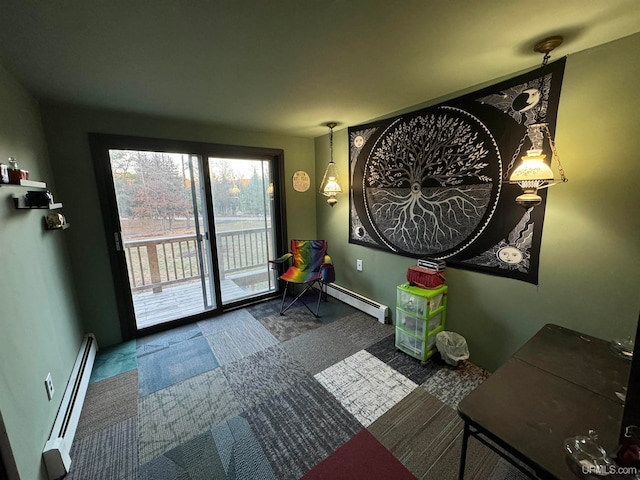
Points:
(154, 192)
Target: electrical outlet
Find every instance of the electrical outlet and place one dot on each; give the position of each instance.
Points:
(359, 265)
(48, 383)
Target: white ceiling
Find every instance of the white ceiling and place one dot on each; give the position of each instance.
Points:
(286, 66)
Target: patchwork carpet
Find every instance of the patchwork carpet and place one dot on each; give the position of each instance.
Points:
(254, 395)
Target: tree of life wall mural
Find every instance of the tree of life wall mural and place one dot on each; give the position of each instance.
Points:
(430, 183)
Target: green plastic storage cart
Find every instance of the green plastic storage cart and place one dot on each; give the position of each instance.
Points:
(420, 316)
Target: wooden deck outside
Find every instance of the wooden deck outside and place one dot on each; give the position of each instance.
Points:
(180, 301)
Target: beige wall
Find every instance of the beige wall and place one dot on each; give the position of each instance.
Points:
(590, 257)
(40, 329)
(66, 130)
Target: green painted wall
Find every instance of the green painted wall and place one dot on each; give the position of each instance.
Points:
(66, 131)
(40, 330)
(590, 257)
(589, 275)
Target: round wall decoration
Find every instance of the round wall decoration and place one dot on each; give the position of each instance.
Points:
(301, 181)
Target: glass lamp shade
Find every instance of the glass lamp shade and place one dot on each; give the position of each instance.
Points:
(533, 168)
(533, 173)
(330, 185)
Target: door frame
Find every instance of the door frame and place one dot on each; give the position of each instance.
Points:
(101, 143)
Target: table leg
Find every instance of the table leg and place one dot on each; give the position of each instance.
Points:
(463, 454)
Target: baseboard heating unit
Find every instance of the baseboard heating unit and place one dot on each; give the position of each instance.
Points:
(56, 450)
(358, 301)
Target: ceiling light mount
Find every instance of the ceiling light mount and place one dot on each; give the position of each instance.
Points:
(547, 45)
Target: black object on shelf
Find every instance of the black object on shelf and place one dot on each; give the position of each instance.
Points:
(22, 203)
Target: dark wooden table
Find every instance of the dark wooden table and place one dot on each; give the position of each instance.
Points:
(558, 385)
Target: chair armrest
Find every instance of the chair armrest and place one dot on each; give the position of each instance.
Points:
(328, 273)
(282, 259)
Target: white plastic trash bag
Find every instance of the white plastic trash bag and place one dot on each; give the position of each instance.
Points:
(452, 347)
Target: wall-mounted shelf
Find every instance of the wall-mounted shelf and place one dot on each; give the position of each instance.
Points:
(25, 183)
(21, 204)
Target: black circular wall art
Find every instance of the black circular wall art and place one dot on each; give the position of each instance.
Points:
(429, 183)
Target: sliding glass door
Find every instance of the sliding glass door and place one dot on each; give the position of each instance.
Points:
(190, 226)
(242, 192)
(163, 234)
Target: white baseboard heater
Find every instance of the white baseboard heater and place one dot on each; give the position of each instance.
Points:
(56, 450)
(358, 301)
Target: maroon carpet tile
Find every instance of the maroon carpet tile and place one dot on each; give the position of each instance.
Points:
(361, 457)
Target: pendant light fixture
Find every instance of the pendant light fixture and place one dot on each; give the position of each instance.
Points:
(533, 173)
(330, 185)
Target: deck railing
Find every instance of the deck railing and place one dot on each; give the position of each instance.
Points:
(154, 263)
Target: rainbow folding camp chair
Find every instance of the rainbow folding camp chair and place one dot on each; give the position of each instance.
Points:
(312, 267)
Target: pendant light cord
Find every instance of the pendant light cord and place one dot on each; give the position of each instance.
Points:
(330, 144)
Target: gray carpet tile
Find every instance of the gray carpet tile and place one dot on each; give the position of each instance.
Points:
(333, 309)
(108, 402)
(162, 468)
(296, 321)
(425, 435)
(410, 367)
(178, 413)
(365, 386)
(179, 361)
(480, 460)
(159, 341)
(107, 454)
(195, 459)
(240, 342)
(226, 321)
(235, 335)
(240, 451)
(505, 471)
(256, 378)
(361, 329)
(452, 384)
(320, 348)
(265, 309)
(330, 310)
(299, 427)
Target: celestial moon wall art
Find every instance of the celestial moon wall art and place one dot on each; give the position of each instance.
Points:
(430, 183)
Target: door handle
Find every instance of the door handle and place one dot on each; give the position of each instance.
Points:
(118, 239)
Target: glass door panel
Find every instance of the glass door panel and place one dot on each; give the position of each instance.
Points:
(243, 210)
(164, 234)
